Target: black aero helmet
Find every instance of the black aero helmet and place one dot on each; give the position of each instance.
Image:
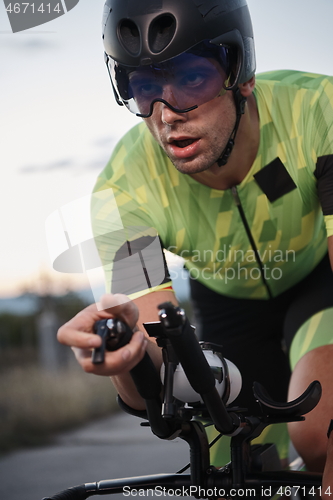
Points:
(140, 32)
(149, 41)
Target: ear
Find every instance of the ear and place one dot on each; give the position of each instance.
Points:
(246, 88)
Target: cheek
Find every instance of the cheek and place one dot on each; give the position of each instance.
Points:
(223, 115)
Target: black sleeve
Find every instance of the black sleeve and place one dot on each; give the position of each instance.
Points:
(324, 175)
(139, 265)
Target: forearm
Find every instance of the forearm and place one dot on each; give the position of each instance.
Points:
(125, 385)
(126, 389)
(148, 311)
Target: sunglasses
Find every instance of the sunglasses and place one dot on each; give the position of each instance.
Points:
(182, 83)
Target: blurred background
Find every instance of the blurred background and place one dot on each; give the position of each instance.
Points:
(59, 124)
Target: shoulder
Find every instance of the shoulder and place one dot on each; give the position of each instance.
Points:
(295, 97)
(293, 78)
(133, 159)
(136, 142)
(290, 81)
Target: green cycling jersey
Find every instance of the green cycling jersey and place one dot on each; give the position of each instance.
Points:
(255, 240)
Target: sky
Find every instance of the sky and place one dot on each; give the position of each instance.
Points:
(59, 121)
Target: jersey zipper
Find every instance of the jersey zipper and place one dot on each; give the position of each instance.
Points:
(251, 239)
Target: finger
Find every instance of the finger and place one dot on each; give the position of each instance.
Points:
(78, 332)
(81, 354)
(115, 362)
(76, 338)
(69, 333)
(120, 306)
(85, 319)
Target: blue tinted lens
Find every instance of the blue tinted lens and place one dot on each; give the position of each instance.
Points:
(184, 82)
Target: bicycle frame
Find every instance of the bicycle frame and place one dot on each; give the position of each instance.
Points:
(253, 470)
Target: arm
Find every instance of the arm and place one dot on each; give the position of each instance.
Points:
(77, 333)
(147, 306)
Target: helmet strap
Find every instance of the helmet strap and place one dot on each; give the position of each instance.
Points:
(240, 102)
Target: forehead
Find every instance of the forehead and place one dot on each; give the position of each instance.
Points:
(180, 64)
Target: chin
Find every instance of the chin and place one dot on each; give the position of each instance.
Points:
(193, 167)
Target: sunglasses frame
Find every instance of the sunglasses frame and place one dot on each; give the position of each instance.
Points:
(123, 102)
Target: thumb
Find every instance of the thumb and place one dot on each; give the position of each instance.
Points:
(121, 307)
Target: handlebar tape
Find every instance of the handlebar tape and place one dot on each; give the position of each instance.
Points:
(149, 386)
(116, 334)
(199, 374)
(75, 493)
(189, 353)
(146, 378)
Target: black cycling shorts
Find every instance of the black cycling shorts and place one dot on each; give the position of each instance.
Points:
(256, 334)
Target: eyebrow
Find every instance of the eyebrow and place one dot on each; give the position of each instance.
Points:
(153, 71)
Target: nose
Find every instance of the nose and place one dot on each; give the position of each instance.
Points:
(168, 115)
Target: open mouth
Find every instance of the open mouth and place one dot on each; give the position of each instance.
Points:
(184, 148)
(184, 143)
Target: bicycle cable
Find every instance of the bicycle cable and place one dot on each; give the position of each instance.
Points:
(211, 444)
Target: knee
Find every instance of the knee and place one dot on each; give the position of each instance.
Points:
(309, 437)
(311, 444)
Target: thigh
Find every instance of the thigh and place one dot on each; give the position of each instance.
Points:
(250, 332)
(309, 319)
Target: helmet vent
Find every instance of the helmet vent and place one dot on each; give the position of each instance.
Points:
(129, 36)
(161, 32)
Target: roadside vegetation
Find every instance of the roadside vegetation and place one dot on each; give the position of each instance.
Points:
(35, 404)
(42, 388)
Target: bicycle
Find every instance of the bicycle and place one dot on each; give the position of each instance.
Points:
(254, 470)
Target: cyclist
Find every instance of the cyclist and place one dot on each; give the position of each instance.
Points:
(236, 175)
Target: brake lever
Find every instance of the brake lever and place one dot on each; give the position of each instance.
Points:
(114, 334)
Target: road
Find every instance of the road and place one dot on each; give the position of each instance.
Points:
(110, 448)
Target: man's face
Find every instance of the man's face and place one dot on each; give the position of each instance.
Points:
(184, 102)
(194, 140)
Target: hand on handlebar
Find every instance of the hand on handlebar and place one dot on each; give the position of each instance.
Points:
(78, 333)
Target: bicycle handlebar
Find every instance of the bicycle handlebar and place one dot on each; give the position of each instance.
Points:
(74, 493)
(177, 329)
(186, 349)
(116, 334)
(217, 481)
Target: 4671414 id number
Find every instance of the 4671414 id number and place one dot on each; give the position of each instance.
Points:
(291, 491)
(26, 7)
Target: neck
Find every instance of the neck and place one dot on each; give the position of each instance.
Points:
(242, 156)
